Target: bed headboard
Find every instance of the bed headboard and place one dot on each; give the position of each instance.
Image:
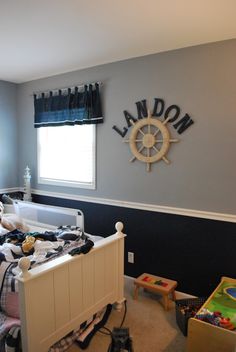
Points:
(50, 215)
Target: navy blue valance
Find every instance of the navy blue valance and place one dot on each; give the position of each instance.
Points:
(73, 106)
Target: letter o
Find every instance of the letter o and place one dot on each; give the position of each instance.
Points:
(169, 109)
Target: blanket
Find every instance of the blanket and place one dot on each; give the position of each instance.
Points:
(9, 320)
(9, 290)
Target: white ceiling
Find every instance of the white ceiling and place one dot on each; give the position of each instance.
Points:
(47, 37)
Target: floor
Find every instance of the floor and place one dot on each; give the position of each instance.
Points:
(151, 327)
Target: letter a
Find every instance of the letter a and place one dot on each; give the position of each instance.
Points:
(129, 118)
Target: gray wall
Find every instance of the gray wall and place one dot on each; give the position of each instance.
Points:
(202, 173)
(8, 136)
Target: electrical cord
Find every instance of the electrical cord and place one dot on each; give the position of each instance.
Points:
(105, 333)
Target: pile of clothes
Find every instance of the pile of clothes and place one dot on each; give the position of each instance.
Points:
(39, 247)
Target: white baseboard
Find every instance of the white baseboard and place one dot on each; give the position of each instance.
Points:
(183, 295)
(9, 190)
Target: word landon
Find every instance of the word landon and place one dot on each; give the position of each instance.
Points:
(172, 112)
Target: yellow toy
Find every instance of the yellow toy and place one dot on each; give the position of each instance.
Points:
(28, 244)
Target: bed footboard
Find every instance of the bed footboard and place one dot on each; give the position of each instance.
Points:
(56, 297)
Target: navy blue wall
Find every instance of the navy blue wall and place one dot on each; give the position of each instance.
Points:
(195, 252)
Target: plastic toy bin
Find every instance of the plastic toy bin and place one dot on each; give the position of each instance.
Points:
(186, 309)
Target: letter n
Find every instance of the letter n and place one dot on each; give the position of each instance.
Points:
(183, 123)
(142, 108)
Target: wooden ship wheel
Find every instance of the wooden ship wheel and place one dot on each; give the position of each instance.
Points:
(150, 140)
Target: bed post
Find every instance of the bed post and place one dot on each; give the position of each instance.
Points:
(119, 304)
(24, 265)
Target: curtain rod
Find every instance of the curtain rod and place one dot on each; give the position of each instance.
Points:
(64, 88)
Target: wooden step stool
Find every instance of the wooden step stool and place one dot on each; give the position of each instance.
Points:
(161, 285)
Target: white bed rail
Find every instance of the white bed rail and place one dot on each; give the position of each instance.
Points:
(56, 297)
(48, 214)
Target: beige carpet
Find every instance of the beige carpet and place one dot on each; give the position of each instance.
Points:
(151, 327)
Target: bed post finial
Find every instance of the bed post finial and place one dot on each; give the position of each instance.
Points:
(24, 264)
(119, 227)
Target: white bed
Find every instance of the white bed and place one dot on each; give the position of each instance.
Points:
(57, 296)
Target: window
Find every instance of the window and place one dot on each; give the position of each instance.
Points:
(66, 155)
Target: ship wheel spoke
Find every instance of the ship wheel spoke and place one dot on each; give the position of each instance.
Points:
(163, 158)
(155, 133)
(148, 156)
(140, 130)
(139, 150)
(170, 140)
(166, 120)
(135, 140)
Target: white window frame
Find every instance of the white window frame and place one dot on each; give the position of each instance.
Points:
(66, 183)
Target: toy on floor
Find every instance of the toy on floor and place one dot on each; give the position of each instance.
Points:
(11, 222)
(190, 309)
(215, 318)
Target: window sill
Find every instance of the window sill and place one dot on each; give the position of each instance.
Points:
(63, 183)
